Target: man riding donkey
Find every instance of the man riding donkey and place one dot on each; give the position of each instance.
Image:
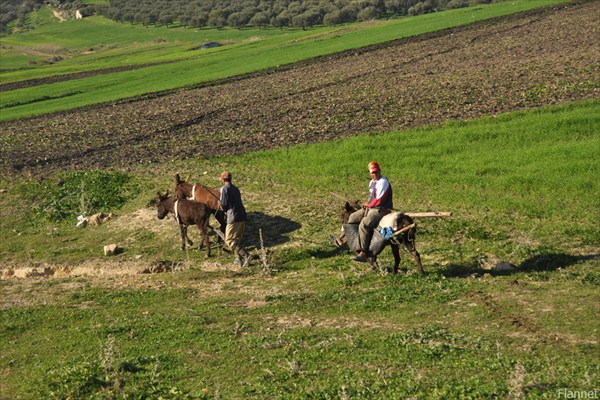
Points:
(372, 211)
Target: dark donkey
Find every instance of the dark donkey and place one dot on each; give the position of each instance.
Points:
(187, 213)
(394, 229)
(201, 194)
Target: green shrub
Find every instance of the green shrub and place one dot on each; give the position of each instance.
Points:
(84, 192)
(109, 377)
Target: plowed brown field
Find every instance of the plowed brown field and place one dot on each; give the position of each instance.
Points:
(534, 59)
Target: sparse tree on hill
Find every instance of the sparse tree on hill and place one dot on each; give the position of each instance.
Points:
(185, 20)
(200, 20)
(237, 20)
(165, 18)
(422, 7)
(457, 4)
(296, 8)
(282, 20)
(260, 19)
(348, 13)
(138, 18)
(217, 18)
(368, 14)
(300, 21)
(393, 6)
(333, 18)
(307, 19)
(249, 12)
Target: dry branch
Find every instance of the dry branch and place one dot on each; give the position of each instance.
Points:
(399, 231)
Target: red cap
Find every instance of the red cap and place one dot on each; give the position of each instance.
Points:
(373, 166)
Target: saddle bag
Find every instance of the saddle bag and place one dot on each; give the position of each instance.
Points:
(378, 242)
(351, 232)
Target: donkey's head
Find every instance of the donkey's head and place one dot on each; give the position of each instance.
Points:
(183, 189)
(349, 209)
(162, 204)
(403, 221)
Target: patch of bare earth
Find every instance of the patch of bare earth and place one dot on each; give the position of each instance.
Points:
(86, 268)
(144, 218)
(59, 15)
(37, 283)
(534, 59)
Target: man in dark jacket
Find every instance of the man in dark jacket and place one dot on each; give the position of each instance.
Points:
(235, 214)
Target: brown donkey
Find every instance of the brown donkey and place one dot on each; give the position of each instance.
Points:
(201, 194)
(187, 213)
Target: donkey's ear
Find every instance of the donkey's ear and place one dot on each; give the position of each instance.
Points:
(167, 194)
(188, 178)
(348, 207)
(158, 194)
(177, 178)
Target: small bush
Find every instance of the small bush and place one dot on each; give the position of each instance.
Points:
(457, 4)
(84, 192)
(108, 377)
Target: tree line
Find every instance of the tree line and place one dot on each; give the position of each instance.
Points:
(233, 13)
(276, 13)
(16, 11)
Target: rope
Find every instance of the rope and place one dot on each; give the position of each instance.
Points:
(193, 198)
(213, 195)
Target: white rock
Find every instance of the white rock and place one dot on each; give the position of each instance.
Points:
(111, 249)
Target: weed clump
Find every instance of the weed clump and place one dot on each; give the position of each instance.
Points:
(73, 193)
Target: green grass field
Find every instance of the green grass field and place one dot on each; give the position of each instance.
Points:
(78, 45)
(304, 322)
(523, 188)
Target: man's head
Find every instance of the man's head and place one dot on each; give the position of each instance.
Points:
(374, 169)
(225, 176)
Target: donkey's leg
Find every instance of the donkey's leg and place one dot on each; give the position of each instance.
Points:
(396, 253)
(199, 225)
(409, 243)
(204, 233)
(417, 258)
(183, 230)
(188, 240)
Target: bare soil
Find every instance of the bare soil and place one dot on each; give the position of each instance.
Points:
(533, 59)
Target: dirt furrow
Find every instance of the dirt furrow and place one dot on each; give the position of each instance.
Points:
(512, 63)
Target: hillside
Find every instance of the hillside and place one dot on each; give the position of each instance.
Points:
(534, 59)
(508, 305)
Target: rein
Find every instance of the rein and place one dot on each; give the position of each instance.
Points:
(209, 192)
